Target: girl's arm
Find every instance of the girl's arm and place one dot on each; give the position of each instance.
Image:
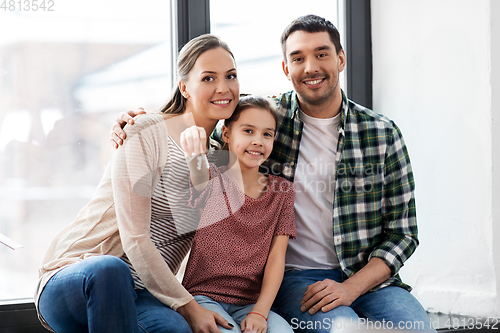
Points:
(273, 275)
(194, 142)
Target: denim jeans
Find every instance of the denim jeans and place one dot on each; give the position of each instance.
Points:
(390, 307)
(97, 295)
(236, 313)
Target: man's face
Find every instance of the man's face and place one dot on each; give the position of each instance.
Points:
(313, 66)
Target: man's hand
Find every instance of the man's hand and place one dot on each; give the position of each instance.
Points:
(202, 320)
(326, 295)
(254, 323)
(117, 134)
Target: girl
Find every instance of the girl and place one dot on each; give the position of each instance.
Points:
(238, 255)
(112, 269)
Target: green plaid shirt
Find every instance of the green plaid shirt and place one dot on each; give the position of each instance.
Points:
(374, 206)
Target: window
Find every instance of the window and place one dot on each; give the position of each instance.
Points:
(66, 70)
(253, 29)
(64, 75)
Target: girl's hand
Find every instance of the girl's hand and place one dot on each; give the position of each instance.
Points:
(193, 141)
(254, 323)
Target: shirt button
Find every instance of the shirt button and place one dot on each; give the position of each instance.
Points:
(292, 163)
(337, 239)
(296, 132)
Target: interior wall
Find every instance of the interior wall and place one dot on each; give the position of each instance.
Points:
(434, 74)
(495, 108)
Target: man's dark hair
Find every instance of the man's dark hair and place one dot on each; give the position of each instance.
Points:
(311, 23)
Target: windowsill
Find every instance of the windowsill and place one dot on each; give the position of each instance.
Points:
(15, 303)
(19, 316)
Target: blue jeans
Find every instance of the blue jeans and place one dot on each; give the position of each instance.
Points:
(236, 313)
(98, 295)
(390, 307)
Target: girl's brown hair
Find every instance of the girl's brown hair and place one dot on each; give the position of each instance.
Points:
(185, 63)
(250, 102)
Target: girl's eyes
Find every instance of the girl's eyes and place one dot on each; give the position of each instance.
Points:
(267, 134)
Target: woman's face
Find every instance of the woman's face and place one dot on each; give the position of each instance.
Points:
(212, 88)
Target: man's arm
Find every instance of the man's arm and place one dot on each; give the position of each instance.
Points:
(398, 207)
(400, 230)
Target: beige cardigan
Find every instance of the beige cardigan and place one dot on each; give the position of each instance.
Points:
(117, 219)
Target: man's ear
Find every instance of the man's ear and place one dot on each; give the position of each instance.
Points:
(342, 60)
(285, 69)
(183, 89)
(225, 134)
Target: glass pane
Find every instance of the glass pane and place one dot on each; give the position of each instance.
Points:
(253, 30)
(66, 69)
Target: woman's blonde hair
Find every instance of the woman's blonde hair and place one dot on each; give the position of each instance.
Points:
(185, 63)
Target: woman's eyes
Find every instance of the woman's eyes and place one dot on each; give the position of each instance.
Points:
(211, 78)
(208, 78)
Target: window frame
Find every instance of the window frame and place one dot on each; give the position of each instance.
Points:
(359, 51)
(193, 19)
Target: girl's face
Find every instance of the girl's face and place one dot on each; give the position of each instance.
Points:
(251, 137)
(212, 89)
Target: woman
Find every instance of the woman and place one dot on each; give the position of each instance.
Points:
(138, 227)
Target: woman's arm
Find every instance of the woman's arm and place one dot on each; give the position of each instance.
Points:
(273, 275)
(135, 170)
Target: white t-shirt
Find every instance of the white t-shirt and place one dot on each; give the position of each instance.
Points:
(314, 190)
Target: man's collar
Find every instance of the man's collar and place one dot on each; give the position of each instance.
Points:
(343, 109)
(295, 105)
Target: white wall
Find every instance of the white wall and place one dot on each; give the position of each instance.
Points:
(495, 116)
(435, 74)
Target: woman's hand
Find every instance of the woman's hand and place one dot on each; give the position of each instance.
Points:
(254, 323)
(194, 141)
(117, 134)
(202, 320)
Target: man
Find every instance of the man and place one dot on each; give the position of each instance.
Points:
(355, 206)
